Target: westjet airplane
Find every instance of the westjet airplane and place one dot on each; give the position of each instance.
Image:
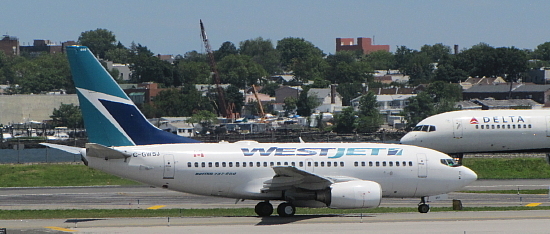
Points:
(474, 131)
(335, 175)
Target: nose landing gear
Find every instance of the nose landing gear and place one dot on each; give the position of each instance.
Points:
(422, 206)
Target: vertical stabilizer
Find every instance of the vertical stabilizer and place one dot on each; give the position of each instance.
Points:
(110, 117)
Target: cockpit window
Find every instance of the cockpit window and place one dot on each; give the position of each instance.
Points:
(424, 128)
(449, 162)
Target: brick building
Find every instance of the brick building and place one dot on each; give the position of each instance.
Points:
(363, 44)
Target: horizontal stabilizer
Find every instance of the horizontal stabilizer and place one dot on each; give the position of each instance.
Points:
(100, 151)
(69, 149)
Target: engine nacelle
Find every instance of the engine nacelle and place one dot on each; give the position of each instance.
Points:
(355, 195)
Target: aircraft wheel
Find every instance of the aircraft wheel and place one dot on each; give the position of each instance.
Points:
(286, 209)
(264, 209)
(423, 208)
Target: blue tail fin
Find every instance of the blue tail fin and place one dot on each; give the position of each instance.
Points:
(110, 117)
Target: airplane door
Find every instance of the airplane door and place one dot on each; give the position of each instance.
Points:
(422, 165)
(457, 128)
(548, 126)
(169, 166)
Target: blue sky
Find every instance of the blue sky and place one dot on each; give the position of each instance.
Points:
(172, 26)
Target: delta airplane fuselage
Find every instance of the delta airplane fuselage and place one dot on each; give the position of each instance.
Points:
(474, 131)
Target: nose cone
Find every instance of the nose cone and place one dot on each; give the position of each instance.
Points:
(408, 139)
(468, 176)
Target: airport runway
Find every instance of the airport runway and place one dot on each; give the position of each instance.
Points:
(437, 222)
(141, 197)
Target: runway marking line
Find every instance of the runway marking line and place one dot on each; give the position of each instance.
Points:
(533, 204)
(155, 207)
(61, 229)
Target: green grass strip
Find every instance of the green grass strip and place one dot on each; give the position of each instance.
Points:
(43, 175)
(220, 212)
(509, 168)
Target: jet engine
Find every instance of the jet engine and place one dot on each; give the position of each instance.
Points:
(352, 195)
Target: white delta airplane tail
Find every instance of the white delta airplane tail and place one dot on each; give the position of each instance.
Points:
(335, 175)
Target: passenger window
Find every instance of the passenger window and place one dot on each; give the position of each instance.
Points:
(341, 164)
(203, 164)
(286, 163)
(322, 164)
(309, 164)
(230, 164)
(265, 164)
(196, 164)
(390, 164)
(513, 126)
(217, 164)
(301, 164)
(224, 164)
(329, 164)
(384, 163)
(335, 164)
(258, 164)
(278, 163)
(362, 164)
(316, 164)
(251, 164)
(477, 126)
(524, 126)
(529, 125)
(377, 163)
(405, 163)
(410, 163)
(498, 126)
(293, 164)
(508, 126)
(189, 164)
(493, 126)
(209, 164)
(370, 163)
(244, 164)
(273, 164)
(482, 127)
(397, 163)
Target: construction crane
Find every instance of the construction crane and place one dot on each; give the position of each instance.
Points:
(225, 110)
(262, 113)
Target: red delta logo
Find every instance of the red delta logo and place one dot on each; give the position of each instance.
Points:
(474, 121)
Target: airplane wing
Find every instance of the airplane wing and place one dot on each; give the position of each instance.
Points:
(69, 149)
(288, 176)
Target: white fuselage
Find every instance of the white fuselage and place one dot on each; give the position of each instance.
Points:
(239, 170)
(483, 131)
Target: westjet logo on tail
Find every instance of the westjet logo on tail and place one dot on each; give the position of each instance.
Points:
(330, 152)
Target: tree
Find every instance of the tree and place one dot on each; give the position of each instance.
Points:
(240, 70)
(345, 121)
(263, 53)
(99, 41)
(118, 55)
(44, 73)
(191, 72)
(345, 67)
(294, 50)
(542, 52)
(204, 118)
(369, 119)
(269, 89)
(380, 60)
(436, 52)
(227, 48)
(68, 115)
(419, 108)
(146, 68)
(306, 103)
(349, 91)
(289, 105)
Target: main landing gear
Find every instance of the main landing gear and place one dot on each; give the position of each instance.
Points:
(422, 206)
(285, 209)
